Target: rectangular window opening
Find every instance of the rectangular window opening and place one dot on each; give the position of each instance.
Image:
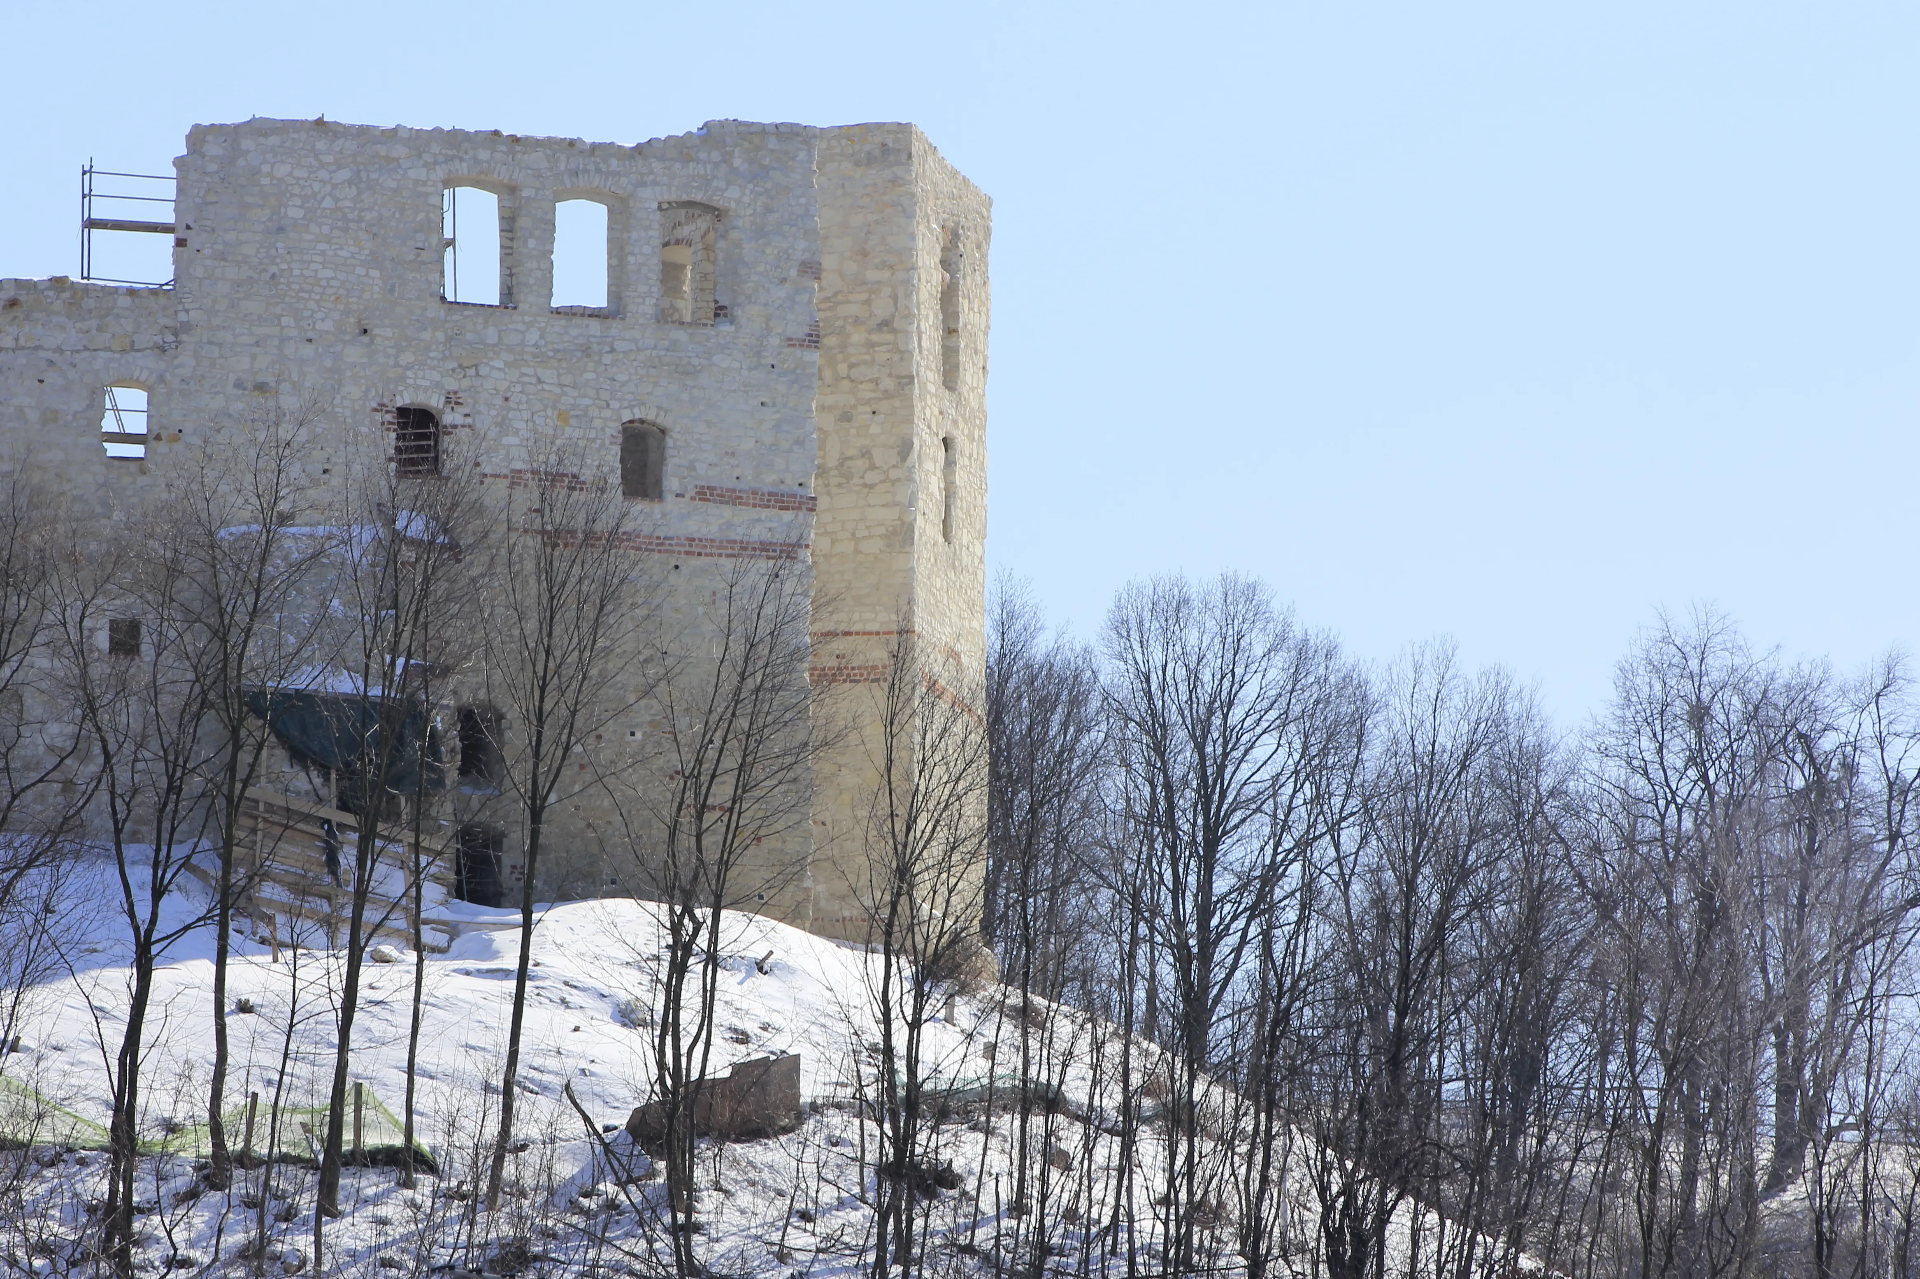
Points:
(123, 637)
(687, 271)
(470, 225)
(482, 763)
(123, 422)
(580, 253)
(643, 461)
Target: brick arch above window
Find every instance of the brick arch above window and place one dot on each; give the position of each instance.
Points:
(416, 441)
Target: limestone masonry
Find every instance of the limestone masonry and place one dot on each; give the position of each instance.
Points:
(791, 357)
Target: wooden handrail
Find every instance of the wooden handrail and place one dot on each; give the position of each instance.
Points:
(308, 807)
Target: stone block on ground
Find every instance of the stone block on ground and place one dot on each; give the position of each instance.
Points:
(759, 1098)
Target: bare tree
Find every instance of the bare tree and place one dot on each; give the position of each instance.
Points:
(35, 754)
(926, 852)
(1521, 951)
(1044, 726)
(1043, 900)
(1316, 808)
(41, 798)
(1223, 718)
(242, 529)
(127, 644)
(1871, 966)
(1398, 891)
(402, 587)
(715, 813)
(562, 624)
(1690, 760)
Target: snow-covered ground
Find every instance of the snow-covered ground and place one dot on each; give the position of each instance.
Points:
(795, 1203)
(582, 1200)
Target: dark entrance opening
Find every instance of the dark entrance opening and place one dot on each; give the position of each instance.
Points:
(476, 873)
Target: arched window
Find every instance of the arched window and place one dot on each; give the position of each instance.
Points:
(643, 460)
(416, 442)
(123, 422)
(580, 255)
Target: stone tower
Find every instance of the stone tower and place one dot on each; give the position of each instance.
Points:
(792, 335)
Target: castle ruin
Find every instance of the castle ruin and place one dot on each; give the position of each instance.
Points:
(786, 355)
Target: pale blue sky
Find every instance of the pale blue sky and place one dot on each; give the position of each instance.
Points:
(1510, 322)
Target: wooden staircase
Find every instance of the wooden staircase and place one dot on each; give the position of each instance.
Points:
(289, 892)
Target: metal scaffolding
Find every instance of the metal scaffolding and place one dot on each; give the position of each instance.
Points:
(122, 197)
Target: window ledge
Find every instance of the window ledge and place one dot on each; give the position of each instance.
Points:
(484, 306)
(593, 312)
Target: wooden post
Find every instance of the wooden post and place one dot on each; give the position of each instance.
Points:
(246, 1144)
(359, 1107)
(259, 868)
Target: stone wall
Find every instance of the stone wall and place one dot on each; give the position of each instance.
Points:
(887, 557)
(798, 367)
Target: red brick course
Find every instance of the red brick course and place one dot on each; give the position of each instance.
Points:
(758, 499)
(696, 548)
(849, 673)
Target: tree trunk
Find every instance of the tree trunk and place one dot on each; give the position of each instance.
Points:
(496, 1171)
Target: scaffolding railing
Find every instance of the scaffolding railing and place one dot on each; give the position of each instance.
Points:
(111, 206)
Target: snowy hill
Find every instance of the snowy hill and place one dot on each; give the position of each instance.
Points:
(999, 1183)
(591, 996)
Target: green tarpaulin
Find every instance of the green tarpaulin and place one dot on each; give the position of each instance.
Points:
(357, 738)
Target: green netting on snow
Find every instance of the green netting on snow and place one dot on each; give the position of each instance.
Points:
(28, 1119)
(959, 1090)
(300, 1132)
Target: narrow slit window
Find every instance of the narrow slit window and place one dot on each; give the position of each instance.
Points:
(416, 442)
(687, 271)
(952, 260)
(947, 469)
(580, 255)
(643, 461)
(470, 225)
(123, 422)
